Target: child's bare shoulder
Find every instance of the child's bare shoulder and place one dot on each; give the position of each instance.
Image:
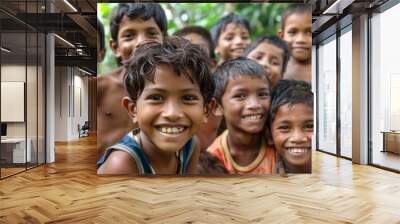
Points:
(110, 85)
(112, 76)
(119, 162)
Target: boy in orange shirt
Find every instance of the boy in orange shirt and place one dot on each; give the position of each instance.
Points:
(243, 94)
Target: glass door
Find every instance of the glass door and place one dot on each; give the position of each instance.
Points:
(22, 62)
(346, 92)
(385, 89)
(327, 95)
(13, 97)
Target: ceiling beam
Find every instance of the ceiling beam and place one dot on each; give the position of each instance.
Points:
(84, 24)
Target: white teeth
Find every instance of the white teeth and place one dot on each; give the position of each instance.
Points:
(253, 117)
(173, 130)
(297, 150)
(238, 50)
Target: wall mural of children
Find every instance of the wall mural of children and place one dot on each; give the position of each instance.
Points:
(236, 129)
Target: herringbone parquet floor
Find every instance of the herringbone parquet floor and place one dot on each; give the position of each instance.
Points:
(69, 191)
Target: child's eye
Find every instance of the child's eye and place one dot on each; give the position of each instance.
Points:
(190, 98)
(245, 37)
(239, 96)
(155, 97)
(128, 36)
(276, 63)
(228, 38)
(283, 128)
(264, 94)
(309, 126)
(153, 34)
(259, 57)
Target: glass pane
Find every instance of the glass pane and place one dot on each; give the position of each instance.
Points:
(346, 94)
(23, 82)
(31, 97)
(41, 99)
(15, 151)
(32, 86)
(314, 74)
(327, 96)
(385, 89)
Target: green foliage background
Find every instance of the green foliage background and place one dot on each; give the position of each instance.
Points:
(264, 19)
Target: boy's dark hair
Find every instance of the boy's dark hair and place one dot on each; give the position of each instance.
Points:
(210, 165)
(201, 31)
(297, 8)
(290, 92)
(224, 21)
(184, 58)
(274, 40)
(143, 11)
(235, 68)
(100, 29)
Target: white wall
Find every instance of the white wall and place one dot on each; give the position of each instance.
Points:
(33, 126)
(71, 94)
(61, 103)
(81, 108)
(13, 73)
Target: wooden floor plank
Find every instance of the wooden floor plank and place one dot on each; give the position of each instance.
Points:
(69, 191)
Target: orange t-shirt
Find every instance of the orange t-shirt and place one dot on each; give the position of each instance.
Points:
(263, 164)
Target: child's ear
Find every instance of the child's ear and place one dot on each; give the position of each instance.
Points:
(217, 50)
(208, 109)
(213, 64)
(114, 48)
(218, 109)
(268, 135)
(280, 34)
(130, 107)
(101, 55)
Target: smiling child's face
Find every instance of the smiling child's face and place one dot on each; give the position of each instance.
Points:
(297, 33)
(271, 58)
(199, 40)
(292, 130)
(245, 104)
(168, 114)
(133, 33)
(232, 42)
